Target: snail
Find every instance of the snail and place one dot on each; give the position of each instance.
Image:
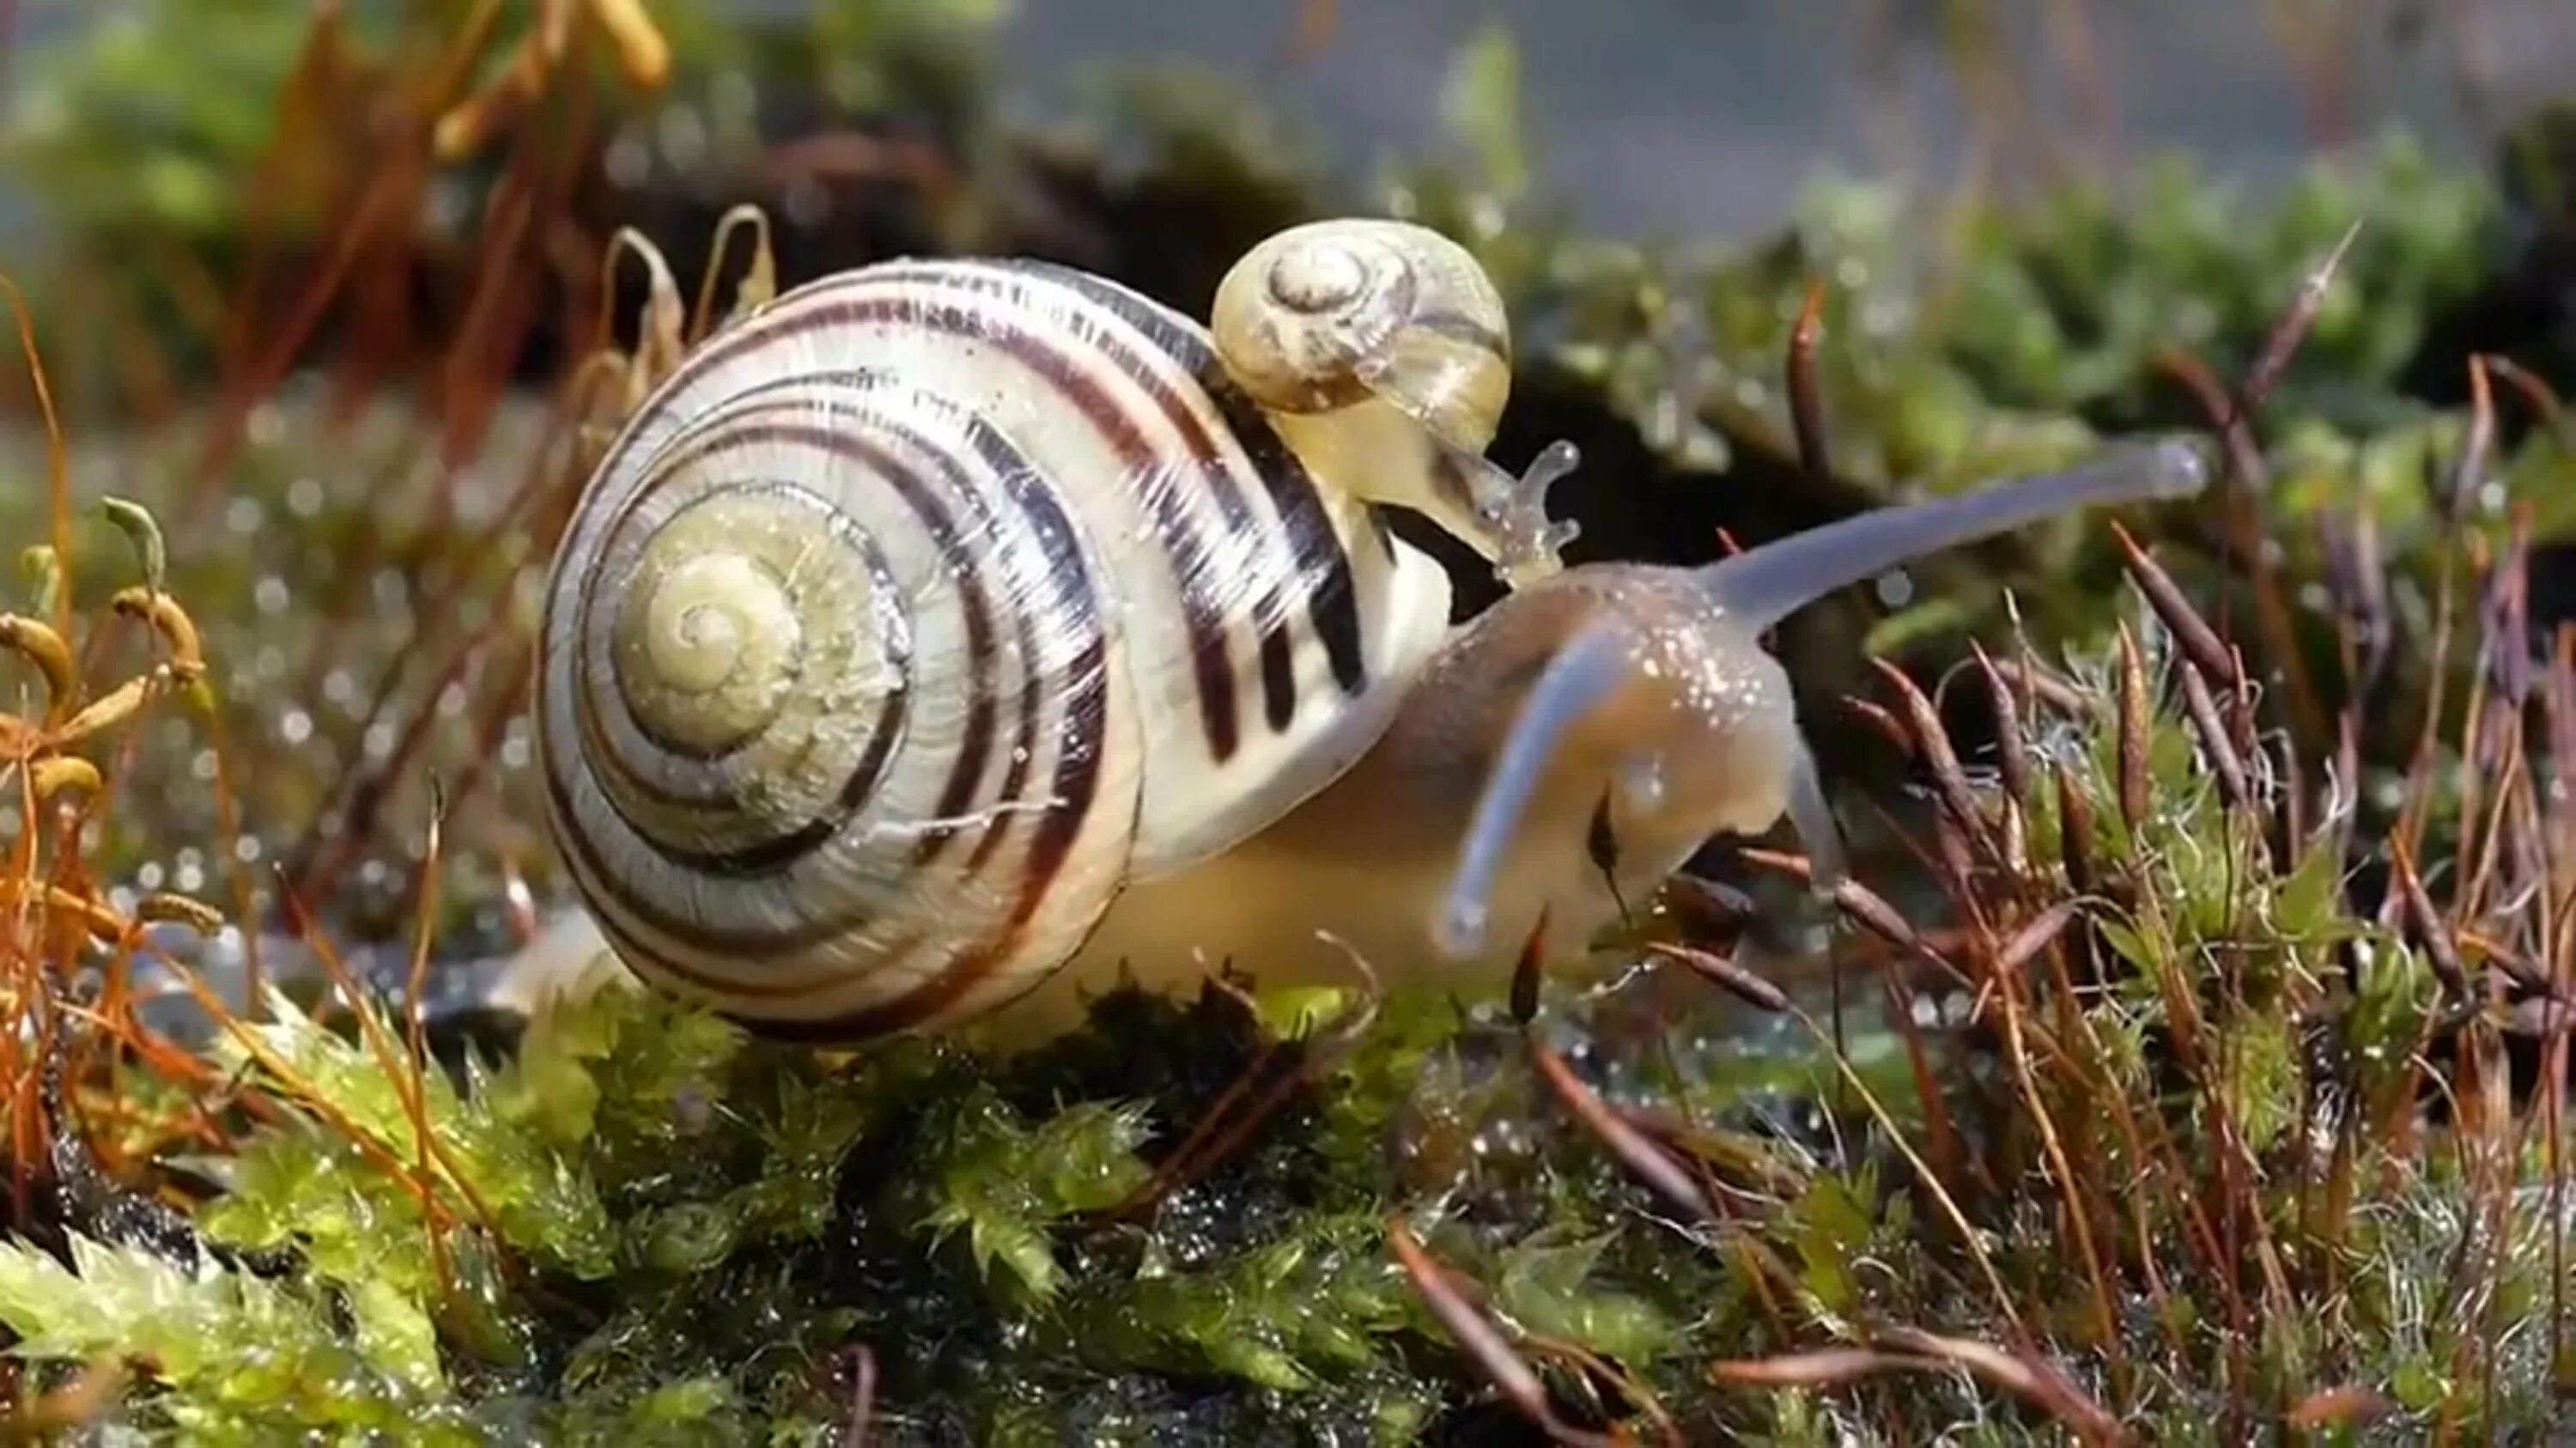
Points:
(944, 639)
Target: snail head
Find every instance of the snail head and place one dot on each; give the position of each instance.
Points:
(1658, 701)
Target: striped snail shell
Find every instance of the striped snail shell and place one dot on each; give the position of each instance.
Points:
(1382, 352)
(1333, 313)
(918, 612)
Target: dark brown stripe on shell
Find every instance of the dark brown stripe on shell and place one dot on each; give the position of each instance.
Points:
(1459, 327)
(1332, 598)
(1193, 567)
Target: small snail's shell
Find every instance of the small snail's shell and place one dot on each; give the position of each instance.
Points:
(918, 612)
(1332, 314)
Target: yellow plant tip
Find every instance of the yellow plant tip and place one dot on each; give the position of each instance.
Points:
(759, 284)
(144, 531)
(171, 621)
(197, 915)
(44, 572)
(459, 131)
(110, 709)
(642, 54)
(40, 645)
(465, 126)
(1293, 1012)
(662, 327)
(51, 776)
(101, 922)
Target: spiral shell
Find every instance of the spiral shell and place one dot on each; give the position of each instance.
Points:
(917, 613)
(1333, 314)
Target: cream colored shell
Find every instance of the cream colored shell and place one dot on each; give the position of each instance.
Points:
(1325, 316)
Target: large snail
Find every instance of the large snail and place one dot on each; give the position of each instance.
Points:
(947, 634)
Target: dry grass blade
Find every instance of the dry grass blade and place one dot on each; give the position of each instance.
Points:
(1908, 1350)
(1806, 396)
(2426, 923)
(58, 470)
(2190, 630)
(2034, 1380)
(2471, 470)
(1865, 907)
(1724, 973)
(1969, 1237)
(1932, 743)
(1493, 1354)
(1886, 724)
(2202, 710)
(2040, 933)
(2012, 751)
(1824, 1367)
(2339, 1407)
(1647, 1161)
(2536, 391)
(2293, 327)
(2248, 479)
(2357, 579)
(2133, 731)
(863, 1395)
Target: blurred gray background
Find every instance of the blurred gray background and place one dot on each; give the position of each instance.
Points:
(1702, 116)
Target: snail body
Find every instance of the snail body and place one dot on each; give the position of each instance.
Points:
(944, 635)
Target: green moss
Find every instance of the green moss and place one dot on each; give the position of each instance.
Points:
(657, 1226)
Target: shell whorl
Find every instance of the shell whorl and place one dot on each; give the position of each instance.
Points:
(1334, 314)
(913, 616)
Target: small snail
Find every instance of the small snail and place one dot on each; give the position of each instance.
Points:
(947, 635)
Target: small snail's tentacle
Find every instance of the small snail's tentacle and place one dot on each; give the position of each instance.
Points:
(1383, 352)
(1588, 669)
(1759, 588)
(1514, 512)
